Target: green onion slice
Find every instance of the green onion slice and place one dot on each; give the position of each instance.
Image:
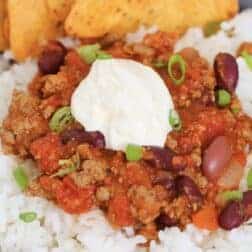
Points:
(64, 171)
(211, 28)
(134, 152)
(248, 59)
(68, 166)
(89, 52)
(60, 119)
(101, 55)
(235, 110)
(28, 217)
(223, 98)
(21, 178)
(174, 120)
(176, 59)
(230, 195)
(249, 179)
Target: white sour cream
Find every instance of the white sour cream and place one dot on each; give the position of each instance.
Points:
(126, 101)
(244, 87)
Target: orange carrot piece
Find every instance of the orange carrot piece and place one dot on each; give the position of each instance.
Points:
(206, 218)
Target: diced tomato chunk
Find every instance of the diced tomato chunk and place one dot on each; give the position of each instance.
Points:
(241, 158)
(48, 151)
(74, 60)
(49, 184)
(136, 174)
(72, 199)
(119, 211)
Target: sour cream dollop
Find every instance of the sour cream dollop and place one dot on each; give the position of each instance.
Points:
(244, 87)
(126, 101)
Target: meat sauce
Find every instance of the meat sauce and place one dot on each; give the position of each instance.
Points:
(168, 185)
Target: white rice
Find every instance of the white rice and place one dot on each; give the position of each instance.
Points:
(56, 231)
(239, 27)
(69, 42)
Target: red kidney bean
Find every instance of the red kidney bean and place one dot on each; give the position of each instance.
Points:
(167, 183)
(226, 71)
(232, 175)
(78, 135)
(165, 179)
(185, 185)
(247, 204)
(216, 157)
(94, 138)
(98, 139)
(164, 221)
(231, 216)
(162, 158)
(51, 58)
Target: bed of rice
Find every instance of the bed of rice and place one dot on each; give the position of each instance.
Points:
(56, 231)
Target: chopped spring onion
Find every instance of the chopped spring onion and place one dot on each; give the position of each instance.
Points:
(134, 152)
(249, 179)
(103, 55)
(64, 171)
(174, 120)
(211, 28)
(28, 217)
(90, 53)
(21, 178)
(235, 110)
(230, 195)
(223, 98)
(60, 119)
(68, 166)
(248, 59)
(176, 59)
